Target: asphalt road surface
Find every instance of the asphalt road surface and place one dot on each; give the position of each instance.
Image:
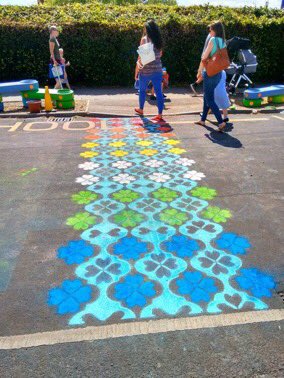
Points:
(131, 249)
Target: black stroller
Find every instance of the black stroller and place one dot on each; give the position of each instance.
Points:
(243, 62)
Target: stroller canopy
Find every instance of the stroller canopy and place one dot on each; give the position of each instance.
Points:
(237, 43)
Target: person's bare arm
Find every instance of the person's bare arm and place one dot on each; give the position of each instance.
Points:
(204, 57)
(143, 41)
(200, 68)
(136, 72)
(51, 49)
(207, 52)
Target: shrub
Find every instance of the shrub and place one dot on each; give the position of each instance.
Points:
(101, 40)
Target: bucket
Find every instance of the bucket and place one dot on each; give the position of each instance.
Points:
(34, 106)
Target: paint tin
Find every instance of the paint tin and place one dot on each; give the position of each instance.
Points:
(34, 106)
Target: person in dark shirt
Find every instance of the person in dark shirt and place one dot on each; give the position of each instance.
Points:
(54, 45)
(54, 48)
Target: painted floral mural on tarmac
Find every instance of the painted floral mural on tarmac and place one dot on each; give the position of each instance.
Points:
(149, 244)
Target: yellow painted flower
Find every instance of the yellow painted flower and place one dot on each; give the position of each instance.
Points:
(172, 142)
(90, 145)
(89, 154)
(117, 144)
(177, 151)
(148, 152)
(119, 153)
(144, 143)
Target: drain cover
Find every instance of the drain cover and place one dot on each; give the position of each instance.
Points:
(63, 119)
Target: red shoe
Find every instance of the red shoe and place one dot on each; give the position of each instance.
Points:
(138, 111)
(158, 118)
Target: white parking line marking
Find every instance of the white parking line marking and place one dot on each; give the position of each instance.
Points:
(138, 328)
(231, 121)
(282, 119)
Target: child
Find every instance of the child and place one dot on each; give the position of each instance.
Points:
(221, 97)
(64, 64)
(165, 84)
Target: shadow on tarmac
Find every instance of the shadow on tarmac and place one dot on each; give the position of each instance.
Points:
(156, 127)
(223, 139)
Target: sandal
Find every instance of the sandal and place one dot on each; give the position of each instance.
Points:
(139, 111)
(222, 127)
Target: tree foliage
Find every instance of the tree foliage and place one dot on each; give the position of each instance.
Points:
(101, 40)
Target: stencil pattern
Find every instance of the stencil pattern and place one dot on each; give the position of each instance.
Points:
(151, 245)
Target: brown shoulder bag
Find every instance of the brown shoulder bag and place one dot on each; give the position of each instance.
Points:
(218, 62)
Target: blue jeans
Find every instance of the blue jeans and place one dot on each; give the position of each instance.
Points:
(156, 79)
(209, 85)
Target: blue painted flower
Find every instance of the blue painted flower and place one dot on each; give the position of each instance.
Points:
(69, 296)
(130, 248)
(233, 243)
(182, 246)
(196, 286)
(258, 283)
(75, 252)
(134, 291)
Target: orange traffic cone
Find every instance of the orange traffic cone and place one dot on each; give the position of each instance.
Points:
(47, 100)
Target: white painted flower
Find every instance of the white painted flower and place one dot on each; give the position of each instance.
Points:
(88, 166)
(159, 177)
(185, 162)
(124, 178)
(194, 175)
(154, 163)
(87, 179)
(122, 164)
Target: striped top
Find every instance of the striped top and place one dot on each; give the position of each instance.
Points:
(156, 65)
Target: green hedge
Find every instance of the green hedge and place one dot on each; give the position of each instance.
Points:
(101, 41)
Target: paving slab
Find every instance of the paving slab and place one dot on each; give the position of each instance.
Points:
(121, 102)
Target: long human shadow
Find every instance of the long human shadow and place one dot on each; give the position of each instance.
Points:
(223, 138)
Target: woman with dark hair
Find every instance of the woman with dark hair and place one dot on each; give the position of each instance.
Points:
(216, 42)
(152, 71)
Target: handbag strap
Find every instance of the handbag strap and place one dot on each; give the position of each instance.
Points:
(217, 43)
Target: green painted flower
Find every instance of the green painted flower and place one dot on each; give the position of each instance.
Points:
(128, 218)
(84, 197)
(81, 221)
(26, 172)
(125, 195)
(204, 193)
(216, 214)
(4, 265)
(173, 217)
(165, 195)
